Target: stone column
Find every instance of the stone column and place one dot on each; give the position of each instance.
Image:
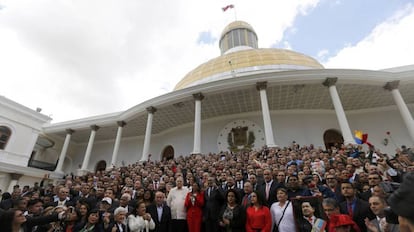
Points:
(121, 125)
(14, 180)
(339, 110)
(147, 140)
(267, 122)
(65, 147)
(88, 152)
(198, 97)
(392, 86)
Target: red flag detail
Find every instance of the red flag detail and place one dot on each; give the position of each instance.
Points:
(227, 7)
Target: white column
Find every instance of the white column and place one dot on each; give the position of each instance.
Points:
(121, 125)
(89, 148)
(267, 122)
(147, 140)
(198, 97)
(65, 147)
(339, 110)
(405, 113)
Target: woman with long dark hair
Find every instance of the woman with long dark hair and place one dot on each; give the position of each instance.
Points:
(258, 215)
(13, 220)
(232, 216)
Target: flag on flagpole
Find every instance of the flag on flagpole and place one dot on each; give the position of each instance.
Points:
(227, 7)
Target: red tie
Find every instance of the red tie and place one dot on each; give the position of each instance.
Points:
(245, 200)
(350, 211)
(310, 220)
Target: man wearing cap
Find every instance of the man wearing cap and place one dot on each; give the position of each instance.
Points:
(402, 202)
(105, 205)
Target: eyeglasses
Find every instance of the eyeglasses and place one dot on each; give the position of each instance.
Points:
(373, 178)
(330, 178)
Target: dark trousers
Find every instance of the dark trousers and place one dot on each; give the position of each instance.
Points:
(179, 225)
(211, 225)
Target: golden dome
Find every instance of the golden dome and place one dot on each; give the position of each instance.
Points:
(245, 60)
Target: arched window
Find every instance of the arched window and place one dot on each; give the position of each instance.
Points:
(168, 153)
(5, 134)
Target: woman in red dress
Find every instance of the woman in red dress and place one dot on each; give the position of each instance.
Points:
(194, 203)
(259, 218)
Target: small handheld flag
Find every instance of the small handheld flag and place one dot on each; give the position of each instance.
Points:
(361, 138)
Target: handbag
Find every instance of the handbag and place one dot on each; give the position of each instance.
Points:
(276, 226)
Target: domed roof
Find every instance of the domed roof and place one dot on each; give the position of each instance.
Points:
(240, 54)
(230, 64)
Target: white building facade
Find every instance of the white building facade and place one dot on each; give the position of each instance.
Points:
(244, 99)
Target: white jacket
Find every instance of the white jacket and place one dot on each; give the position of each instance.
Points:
(138, 224)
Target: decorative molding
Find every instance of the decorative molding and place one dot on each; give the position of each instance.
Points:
(391, 85)
(198, 96)
(261, 85)
(254, 136)
(330, 81)
(121, 123)
(151, 110)
(70, 131)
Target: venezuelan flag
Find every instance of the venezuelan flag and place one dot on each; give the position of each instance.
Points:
(359, 137)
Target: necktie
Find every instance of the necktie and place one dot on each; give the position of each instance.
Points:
(245, 200)
(267, 190)
(310, 219)
(350, 211)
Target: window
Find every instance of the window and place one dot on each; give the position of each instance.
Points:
(5, 133)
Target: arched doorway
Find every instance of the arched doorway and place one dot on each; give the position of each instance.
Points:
(168, 153)
(332, 138)
(100, 166)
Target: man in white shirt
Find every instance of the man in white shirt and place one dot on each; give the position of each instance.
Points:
(175, 201)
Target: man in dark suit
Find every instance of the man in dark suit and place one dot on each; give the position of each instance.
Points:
(160, 213)
(269, 188)
(239, 180)
(213, 201)
(356, 208)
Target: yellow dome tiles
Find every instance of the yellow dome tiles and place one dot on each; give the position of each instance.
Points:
(247, 58)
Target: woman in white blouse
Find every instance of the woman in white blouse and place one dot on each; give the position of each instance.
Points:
(140, 220)
(282, 213)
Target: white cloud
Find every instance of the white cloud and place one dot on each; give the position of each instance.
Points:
(81, 58)
(390, 44)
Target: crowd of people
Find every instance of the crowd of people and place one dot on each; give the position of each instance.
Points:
(296, 188)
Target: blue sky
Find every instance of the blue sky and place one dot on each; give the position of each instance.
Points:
(331, 25)
(77, 59)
